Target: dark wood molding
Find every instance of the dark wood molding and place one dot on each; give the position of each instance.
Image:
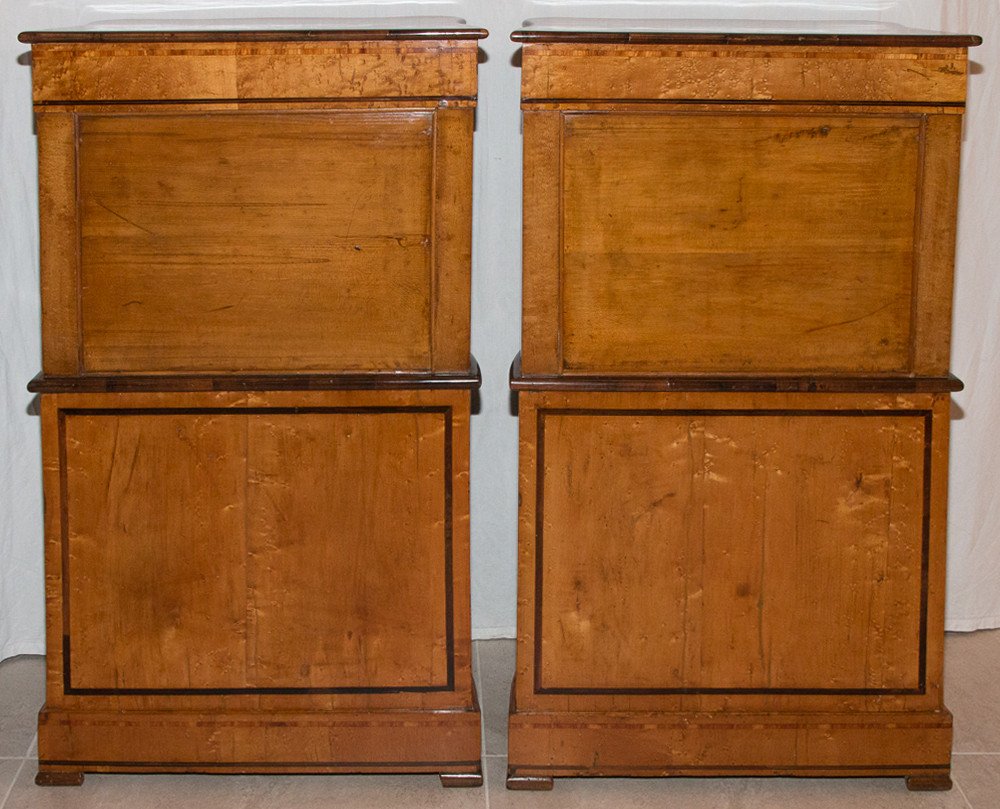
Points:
(315, 35)
(532, 102)
(100, 765)
(191, 383)
(726, 384)
(530, 35)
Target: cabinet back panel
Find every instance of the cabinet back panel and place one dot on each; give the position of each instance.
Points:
(738, 242)
(251, 550)
(769, 552)
(255, 241)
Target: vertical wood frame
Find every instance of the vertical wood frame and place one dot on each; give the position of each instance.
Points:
(934, 245)
(59, 231)
(451, 259)
(541, 322)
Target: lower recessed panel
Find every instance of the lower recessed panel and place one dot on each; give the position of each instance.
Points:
(235, 550)
(743, 552)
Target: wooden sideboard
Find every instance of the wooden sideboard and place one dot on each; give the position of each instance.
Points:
(733, 402)
(256, 389)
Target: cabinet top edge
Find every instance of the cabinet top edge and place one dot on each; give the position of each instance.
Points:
(344, 30)
(734, 32)
(470, 379)
(762, 383)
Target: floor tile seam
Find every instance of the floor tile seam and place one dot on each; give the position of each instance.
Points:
(954, 780)
(487, 786)
(31, 744)
(482, 704)
(13, 783)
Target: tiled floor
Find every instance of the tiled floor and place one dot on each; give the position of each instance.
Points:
(973, 694)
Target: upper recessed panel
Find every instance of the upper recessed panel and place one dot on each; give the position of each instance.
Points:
(255, 242)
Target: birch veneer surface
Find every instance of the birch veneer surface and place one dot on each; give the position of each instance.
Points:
(256, 393)
(733, 400)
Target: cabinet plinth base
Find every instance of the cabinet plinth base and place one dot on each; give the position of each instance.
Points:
(58, 778)
(440, 742)
(914, 745)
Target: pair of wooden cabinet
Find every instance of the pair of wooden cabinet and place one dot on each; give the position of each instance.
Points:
(256, 382)
(733, 401)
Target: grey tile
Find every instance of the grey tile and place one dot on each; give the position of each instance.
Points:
(979, 779)
(242, 792)
(972, 690)
(8, 772)
(718, 793)
(496, 669)
(22, 691)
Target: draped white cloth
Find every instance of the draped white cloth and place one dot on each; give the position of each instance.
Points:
(974, 521)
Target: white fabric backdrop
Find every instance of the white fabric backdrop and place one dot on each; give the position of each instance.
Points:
(974, 556)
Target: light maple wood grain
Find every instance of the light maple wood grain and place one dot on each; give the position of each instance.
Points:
(275, 577)
(256, 241)
(262, 742)
(59, 242)
(749, 243)
(276, 509)
(726, 554)
(714, 580)
(349, 542)
(257, 223)
(739, 209)
(934, 264)
(818, 745)
(155, 575)
(168, 71)
(451, 286)
(752, 72)
(721, 530)
(206, 549)
(541, 243)
(265, 241)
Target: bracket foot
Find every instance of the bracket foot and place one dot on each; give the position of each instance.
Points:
(928, 783)
(529, 783)
(461, 779)
(58, 778)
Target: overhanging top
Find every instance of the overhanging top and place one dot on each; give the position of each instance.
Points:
(263, 30)
(734, 32)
